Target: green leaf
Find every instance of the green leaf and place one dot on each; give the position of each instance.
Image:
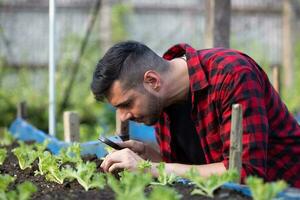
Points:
(207, 185)
(165, 193)
(5, 180)
(25, 154)
(49, 166)
(85, 175)
(3, 154)
(6, 138)
(264, 191)
(164, 178)
(70, 154)
(144, 165)
(25, 190)
(130, 186)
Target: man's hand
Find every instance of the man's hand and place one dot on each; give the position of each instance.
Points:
(135, 146)
(122, 159)
(144, 150)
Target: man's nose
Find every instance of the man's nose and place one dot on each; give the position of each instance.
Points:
(125, 115)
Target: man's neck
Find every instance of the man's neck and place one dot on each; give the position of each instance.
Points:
(177, 88)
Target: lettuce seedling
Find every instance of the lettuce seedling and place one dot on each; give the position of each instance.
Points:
(207, 185)
(70, 154)
(3, 154)
(165, 193)
(164, 178)
(23, 192)
(25, 154)
(130, 186)
(85, 175)
(6, 138)
(5, 180)
(41, 147)
(144, 165)
(49, 167)
(264, 191)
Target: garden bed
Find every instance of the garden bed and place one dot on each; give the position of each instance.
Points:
(73, 190)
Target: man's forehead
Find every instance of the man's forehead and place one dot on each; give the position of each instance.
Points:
(116, 93)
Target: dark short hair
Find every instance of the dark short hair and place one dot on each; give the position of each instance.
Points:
(125, 61)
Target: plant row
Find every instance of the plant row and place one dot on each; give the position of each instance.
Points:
(69, 166)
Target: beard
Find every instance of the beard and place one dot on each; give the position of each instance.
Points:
(153, 109)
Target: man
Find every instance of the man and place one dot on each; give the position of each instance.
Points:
(188, 95)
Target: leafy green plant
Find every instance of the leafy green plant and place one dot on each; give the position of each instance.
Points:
(164, 178)
(207, 185)
(70, 154)
(25, 154)
(49, 167)
(23, 191)
(264, 191)
(130, 186)
(5, 180)
(165, 193)
(85, 175)
(144, 165)
(6, 138)
(3, 153)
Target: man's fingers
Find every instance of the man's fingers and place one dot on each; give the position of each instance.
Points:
(108, 161)
(127, 144)
(116, 166)
(134, 145)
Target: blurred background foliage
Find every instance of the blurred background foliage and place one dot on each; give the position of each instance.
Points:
(31, 85)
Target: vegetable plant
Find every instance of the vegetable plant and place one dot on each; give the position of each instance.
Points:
(130, 186)
(85, 175)
(264, 191)
(207, 185)
(48, 166)
(165, 193)
(25, 154)
(144, 165)
(164, 178)
(22, 192)
(70, 154)
(6, 138)
(3, 153)
(5, 180)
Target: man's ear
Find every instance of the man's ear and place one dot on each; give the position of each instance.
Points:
(152, 80)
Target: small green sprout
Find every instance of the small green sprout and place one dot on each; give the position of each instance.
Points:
(207, 185)
(163, 177)
(3, 154)
(264, 191)
(130, 186)
(165, 193)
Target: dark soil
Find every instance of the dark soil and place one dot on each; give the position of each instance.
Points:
(72, 190)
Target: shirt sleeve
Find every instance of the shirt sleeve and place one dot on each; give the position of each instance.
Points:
(246, 88)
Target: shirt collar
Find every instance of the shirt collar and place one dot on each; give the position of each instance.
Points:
(197, 76)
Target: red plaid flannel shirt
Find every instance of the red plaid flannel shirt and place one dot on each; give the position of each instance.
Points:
(220, 78)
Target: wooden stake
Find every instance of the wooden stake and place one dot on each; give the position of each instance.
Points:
(22, 110)
(122, 128)
(287, 36)
(236, 147)
(276, 77)
(71, 127)
(217, 30)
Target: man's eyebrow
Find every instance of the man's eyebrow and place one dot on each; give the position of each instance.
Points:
(122, 103)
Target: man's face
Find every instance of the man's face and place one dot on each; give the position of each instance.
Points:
(137, 105)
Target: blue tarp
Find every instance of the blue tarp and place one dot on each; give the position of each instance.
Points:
(22, 130)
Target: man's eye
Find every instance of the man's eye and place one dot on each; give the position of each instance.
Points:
(126, 105)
